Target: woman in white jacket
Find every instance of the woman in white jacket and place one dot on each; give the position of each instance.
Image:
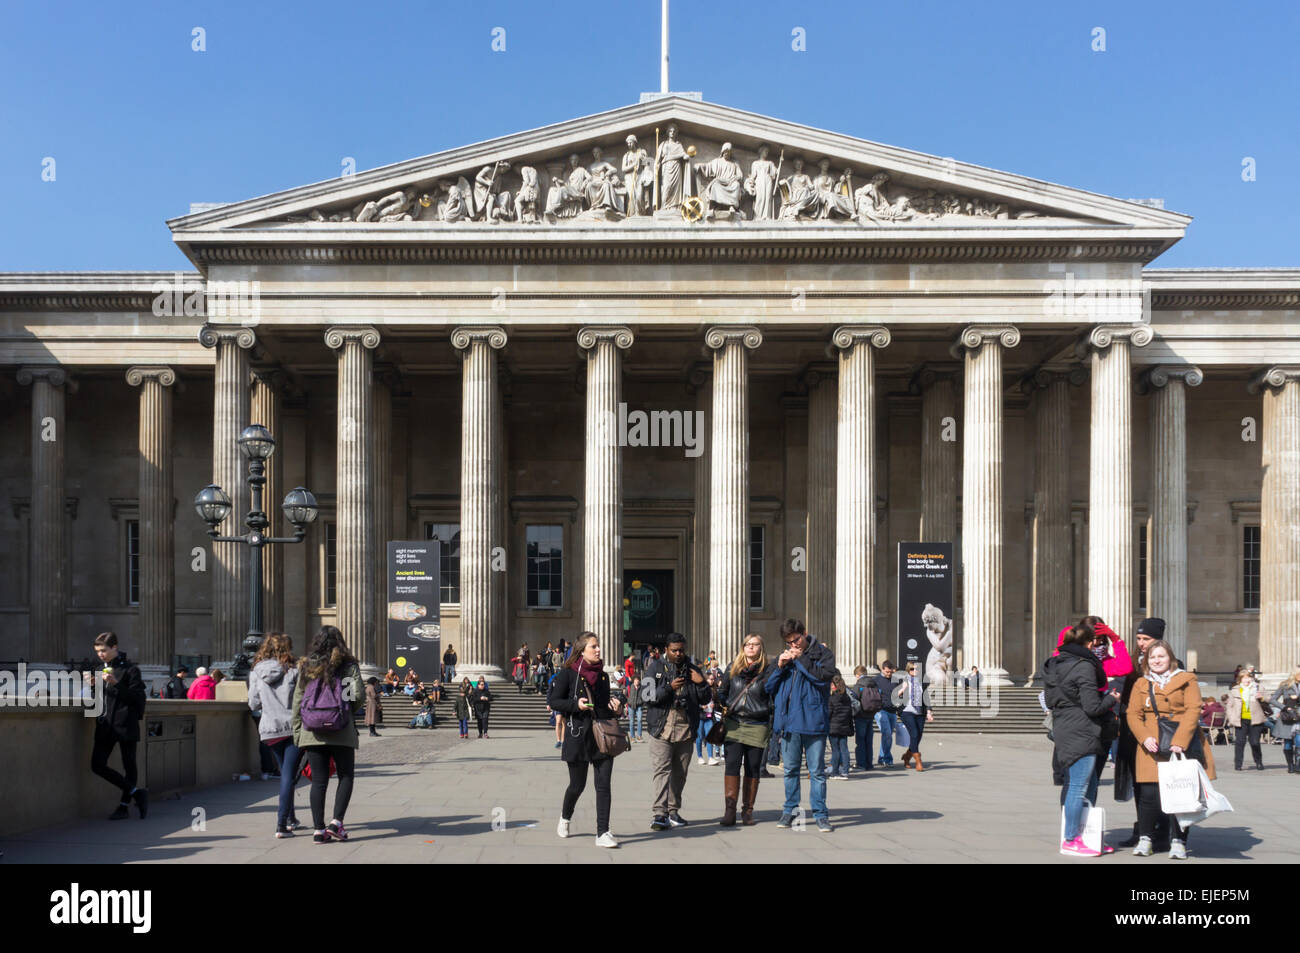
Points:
(270, 691)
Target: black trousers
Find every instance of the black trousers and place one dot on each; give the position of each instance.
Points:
(734, 754)
(105, 739)
(318, 756)
(1153, 822)
(481, 717)
(578, 783)
(1250, 731)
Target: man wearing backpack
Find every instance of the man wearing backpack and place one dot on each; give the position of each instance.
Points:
(865, 695)
(887, 717)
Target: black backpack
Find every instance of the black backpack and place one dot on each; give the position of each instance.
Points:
(869, 699)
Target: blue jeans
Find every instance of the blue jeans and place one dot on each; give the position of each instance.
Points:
(636, 722)
(1081, 785)
(774, 749)
(464, 726)
(451, 674)
(886, 721)
(839, 754)
(915, 728)
(794, 749)
(285, 753)
(864, 726)
(700, 743)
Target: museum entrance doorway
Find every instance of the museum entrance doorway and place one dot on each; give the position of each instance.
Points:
(647, 607)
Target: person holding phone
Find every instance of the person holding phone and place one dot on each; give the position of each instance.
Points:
(579, 694)
(122, 689)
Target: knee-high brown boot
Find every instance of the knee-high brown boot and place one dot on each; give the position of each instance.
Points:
(751, 797)
(730, 793)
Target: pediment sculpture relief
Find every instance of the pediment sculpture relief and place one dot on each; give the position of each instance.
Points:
(672, 183)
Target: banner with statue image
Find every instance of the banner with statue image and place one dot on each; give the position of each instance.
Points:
(414, 624)
(925, 609)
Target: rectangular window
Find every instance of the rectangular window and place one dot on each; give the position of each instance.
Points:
(1250, 567)
(331, 563)
(1142, 568)
(756, 566)
(545, 566)
(133, 562)
(448, 560)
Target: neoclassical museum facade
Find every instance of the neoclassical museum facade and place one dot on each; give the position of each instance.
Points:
(719, 371)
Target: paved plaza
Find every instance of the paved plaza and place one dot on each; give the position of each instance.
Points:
(426, 797)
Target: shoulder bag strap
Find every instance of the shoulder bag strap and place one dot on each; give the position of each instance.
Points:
(1151, 690)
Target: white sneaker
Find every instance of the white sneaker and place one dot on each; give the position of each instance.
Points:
(714, 761)
(1143, 848)
(606, 840)
(701, 760)
(562, 829)
(1177, 850)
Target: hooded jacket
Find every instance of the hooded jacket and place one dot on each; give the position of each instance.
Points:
(1078, 708)
(801, 691)
(270, 691)
(204, 689)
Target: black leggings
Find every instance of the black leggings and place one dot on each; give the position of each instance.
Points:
(481, 717)
(1151, 819)
(104, 741)
(318, 756)
(578, 784)
(734, 753)
(1251, 732)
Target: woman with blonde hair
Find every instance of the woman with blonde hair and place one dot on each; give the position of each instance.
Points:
(748, 723)
(1246, 716)
(1287, 702)
(271, 686)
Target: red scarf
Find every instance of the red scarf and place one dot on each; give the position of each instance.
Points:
(589, 672)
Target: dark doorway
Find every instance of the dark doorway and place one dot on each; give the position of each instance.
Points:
(647, 606)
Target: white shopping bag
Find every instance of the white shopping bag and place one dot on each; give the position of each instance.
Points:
(901, 737)
(1094, 827)
(1211, 802)
(1180, 785)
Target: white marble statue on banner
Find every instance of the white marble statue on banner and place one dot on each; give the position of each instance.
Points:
(726, 182)
(761, 184)
(938, 629)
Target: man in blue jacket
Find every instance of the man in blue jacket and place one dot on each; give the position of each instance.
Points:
(800, 688)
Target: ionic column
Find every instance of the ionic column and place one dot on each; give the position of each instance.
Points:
(265, 410)
(1110, 481)
(602, 506)
(382, 415)
(354, 489)
(480, 495)
(1051, 529)
(48, 562)
(701, 382)
(819, 545)
(230, 412)
(729, 489)
(156, 632)
(981, 505)
(938, 388)
(1167, 543)
(855, 496)
(1279, 584)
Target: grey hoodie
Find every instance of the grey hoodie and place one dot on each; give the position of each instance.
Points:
(270, 691)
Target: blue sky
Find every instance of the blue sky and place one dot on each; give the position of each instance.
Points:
(140, 125)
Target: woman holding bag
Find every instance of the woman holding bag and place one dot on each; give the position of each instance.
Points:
(1287, 702)
(580, 693)
(748, 725)
(1165, 693)
(1246, 716)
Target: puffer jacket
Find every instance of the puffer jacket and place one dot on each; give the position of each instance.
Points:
(203, 689)
(841, 715)
(1079, 709)
(270, 691)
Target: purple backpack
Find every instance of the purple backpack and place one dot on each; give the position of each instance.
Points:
(323, 708)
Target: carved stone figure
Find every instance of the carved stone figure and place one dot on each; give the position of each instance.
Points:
(456, 207)
(562, 200)
(726, 182)
(394, 207)
(797, 193)
(833, 194)
(761, 184)
(491, 201)
(873, 205)
(671, 166)
(638, 179)
(528, 197)
(604, 187)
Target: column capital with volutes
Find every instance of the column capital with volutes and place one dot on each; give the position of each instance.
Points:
(977, 335)
(1154, 378)
(850, 334)
(367, 337)
(1274, 377)
(210, 335)
(1045, 375)
(719, 337)
(53, 374)
(589, 338)
(463, 337)
(1103, 336)
(135, 376)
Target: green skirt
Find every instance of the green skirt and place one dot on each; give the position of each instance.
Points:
(748, 733)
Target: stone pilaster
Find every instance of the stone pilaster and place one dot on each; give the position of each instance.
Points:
(938, 388)
(1051, 590)
(1279, 584)
(729, 490)
(1111, 533)
(602, 508)
(48, 563)
(230, 413)
(819, 546)
(981, 517)
(480, 496)
(701, 382)
(855, 496)
(268, 384)
(354, 489)
(382, 413)
(1167, 542)
(156, 630)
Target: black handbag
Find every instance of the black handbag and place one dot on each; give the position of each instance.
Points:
(718, 733)
(1167, 728)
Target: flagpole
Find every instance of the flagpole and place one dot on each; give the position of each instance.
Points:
(663, 43)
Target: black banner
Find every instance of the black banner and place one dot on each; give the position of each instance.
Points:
(925, 609)
(414, 625)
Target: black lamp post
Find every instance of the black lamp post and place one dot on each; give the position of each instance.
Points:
(213, 505)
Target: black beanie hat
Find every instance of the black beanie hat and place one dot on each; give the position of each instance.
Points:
(1152, 627)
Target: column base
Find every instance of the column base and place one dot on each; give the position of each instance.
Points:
(998, 677)
(492, 673)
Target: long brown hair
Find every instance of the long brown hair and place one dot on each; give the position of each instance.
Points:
(276, 646)
(329, 654)
(741, 663)
(579, 646)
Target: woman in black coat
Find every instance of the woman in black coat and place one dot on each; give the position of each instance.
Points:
(580, 693)
(481, 698)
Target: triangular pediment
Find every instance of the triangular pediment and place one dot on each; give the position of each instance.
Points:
(551, 177)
